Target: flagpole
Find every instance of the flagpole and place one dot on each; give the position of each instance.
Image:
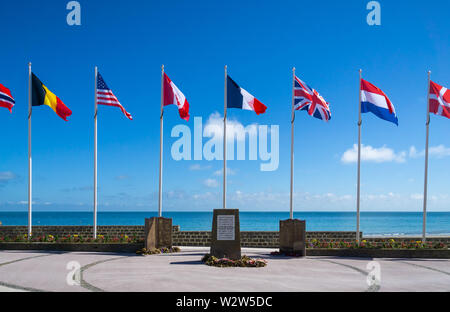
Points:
(30, 197)
(425, 187)
(291, 211)
(359, 162)
(225, 141)
(95, 155)
(161, 144)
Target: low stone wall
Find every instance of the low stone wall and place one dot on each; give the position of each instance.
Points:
(63, 230)
(180, 238)
(267, 239)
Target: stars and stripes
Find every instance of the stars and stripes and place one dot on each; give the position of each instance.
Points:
(308, 99)
(6, 99)
(106, 97)
(439, 100)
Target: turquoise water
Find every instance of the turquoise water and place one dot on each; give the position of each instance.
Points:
(372, 223)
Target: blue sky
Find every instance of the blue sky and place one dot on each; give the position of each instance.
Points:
(260, 41)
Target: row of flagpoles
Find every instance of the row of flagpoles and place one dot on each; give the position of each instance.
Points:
(371, 99)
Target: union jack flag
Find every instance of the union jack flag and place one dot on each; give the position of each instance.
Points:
(308, 99)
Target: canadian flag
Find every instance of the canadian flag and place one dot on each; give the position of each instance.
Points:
(439, 100)
(173, 95)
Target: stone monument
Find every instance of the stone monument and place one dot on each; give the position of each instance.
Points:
(225, 236)
(293, 237)
(158, 232)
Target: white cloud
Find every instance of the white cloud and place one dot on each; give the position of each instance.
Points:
(372, 154)
(211, 183)
(220, 172)
(214, 127)
(7, 176)
(417, 196)
(197, 167)
(439, 151)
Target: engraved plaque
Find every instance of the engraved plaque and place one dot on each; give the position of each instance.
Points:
(225, 227)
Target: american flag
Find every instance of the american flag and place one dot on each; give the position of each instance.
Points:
(106, 97)
(308, 99)
(6, 99)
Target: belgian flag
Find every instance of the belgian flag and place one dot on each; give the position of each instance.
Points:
(41, 95)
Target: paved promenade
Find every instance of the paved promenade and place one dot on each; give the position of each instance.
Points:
(47, 271)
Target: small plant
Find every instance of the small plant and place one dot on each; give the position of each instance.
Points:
(154, 251)
(244, 262)
(387, 244)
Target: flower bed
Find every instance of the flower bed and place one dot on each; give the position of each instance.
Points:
(77, 239)
(145, 251)
(381, 244)
(245, 261)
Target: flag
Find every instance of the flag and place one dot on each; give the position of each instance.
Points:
(374, 100)
(439, 100)
(173, 95)
(106, 97)
(237, 97)
(41, 95)
(6, 99)
(308, 99)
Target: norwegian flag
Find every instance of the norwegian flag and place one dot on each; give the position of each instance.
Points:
(439, 100)
(6, 99)
(106, 97)
(308, 99)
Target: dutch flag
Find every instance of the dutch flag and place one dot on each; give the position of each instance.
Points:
(237, 97)
(374, 100)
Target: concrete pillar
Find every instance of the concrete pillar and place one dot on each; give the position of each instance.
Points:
(293, 236)
(158, 232)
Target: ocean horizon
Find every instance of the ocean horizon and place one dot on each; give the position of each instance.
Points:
(372, 223)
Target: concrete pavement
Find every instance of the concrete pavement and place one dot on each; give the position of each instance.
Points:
(59, 271)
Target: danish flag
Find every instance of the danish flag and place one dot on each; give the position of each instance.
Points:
(439, 100)
(308, 99)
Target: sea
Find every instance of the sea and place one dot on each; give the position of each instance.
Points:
(372, 223)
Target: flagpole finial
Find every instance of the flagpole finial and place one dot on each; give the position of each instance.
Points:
(293, 69)
(226, 67)
(360, 70)
(162, 67)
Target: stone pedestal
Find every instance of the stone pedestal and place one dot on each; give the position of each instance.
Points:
(226, 235)
(158, 232)
(293, 236)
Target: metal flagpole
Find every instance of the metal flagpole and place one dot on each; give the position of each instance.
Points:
(425, 190)
(95, 155)
(161, 144)
(359, 161)
(30, 197)
(225, 142)
(291, 211)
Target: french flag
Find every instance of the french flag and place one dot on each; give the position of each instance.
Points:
(240, 98)
(374, 100)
